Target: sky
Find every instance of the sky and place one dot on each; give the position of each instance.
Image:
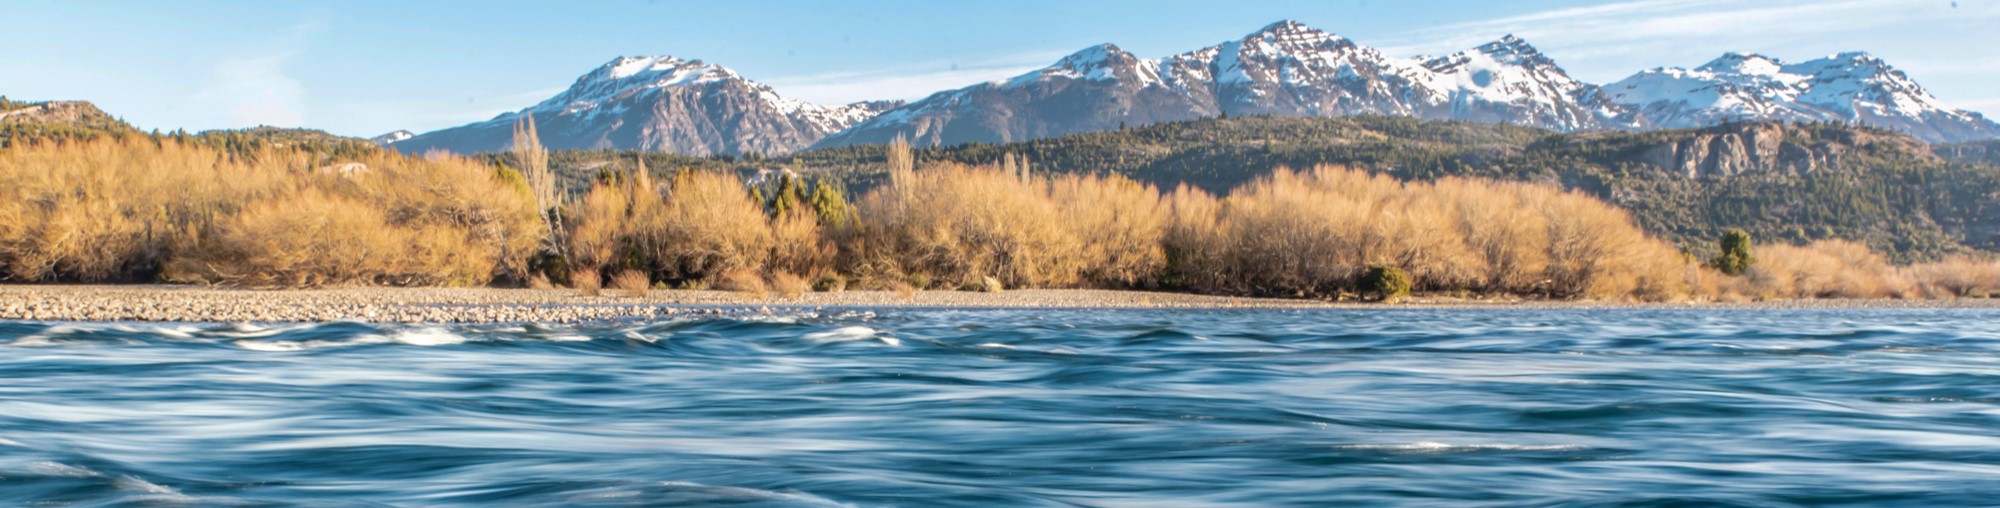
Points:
(363, 68)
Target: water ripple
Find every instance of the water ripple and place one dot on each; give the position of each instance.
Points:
(1009, 407)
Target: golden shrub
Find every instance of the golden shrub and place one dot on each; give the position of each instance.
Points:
(957, 223)
(708, 227)
(153, 208)
(789, 286)
(1823, 269)
(632, 283)
(1313, 233)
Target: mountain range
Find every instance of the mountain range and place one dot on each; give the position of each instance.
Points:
(1284, 69)
(659, 103)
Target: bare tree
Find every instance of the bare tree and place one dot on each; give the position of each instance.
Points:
(533, 160)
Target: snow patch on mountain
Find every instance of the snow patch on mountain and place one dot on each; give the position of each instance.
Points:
(1285, 68)
(1846, 87)
(663, 103)
(391, 138)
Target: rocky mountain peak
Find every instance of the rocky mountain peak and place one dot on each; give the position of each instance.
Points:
(1516, 51)
(1289, 37)
(663, 103)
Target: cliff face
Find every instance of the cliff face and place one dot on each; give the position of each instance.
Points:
(1770, 147)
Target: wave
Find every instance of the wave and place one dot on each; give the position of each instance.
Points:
(721, 494)
(851, 334)
(1430, 448)
(1007, 407)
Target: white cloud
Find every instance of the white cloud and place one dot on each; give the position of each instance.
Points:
(255, 91)
(906, 82)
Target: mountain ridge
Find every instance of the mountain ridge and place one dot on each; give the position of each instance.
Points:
(1285, 68)
(661, 103)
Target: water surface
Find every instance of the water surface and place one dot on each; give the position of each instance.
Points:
(1500, 407)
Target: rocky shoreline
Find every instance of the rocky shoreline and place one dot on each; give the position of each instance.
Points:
(162, 303)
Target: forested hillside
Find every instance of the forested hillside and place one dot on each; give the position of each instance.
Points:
(1781, 182)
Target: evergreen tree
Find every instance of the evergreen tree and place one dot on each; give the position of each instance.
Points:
(788, 197)
(831, 206)
(1735, 257)
(1387, 283)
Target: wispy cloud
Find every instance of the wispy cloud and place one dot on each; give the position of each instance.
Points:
(255, 89)
(906, 82)
(427, 115)
(1611, 37)
(1643, 24)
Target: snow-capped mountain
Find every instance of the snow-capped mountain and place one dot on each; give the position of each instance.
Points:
(660, 103)
(392, 138)
(1509, 81)
(1847, 87)
(1286, 68)
(1096, 89)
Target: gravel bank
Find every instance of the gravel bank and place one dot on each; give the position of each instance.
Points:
(490, 305)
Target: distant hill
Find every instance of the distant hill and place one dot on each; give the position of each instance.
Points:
(310, 140)
(1794, 182)
(1784, 182)
(1981, 152)
(56, 120)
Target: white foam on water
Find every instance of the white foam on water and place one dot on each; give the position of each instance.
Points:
(61, 469)
(415, 337)
(178, 332)
(36, 340)
(10, 442)
(1431, 447)
(129, 482)
(250, 331)
(428, 337)
(567, 338)
(42, 339)
(304, 345)
(258, 345)
(851, 334)
(153, 493)
(743, 493)
(997, 345)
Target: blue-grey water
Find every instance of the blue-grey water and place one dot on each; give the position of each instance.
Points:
(1017, 408)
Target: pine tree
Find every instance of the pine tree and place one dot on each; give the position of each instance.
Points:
(1735, 257)
(831, 206)
(788, 197)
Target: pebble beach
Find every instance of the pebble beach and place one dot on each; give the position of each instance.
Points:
(162, 303)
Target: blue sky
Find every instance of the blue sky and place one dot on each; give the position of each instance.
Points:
(364, 68)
